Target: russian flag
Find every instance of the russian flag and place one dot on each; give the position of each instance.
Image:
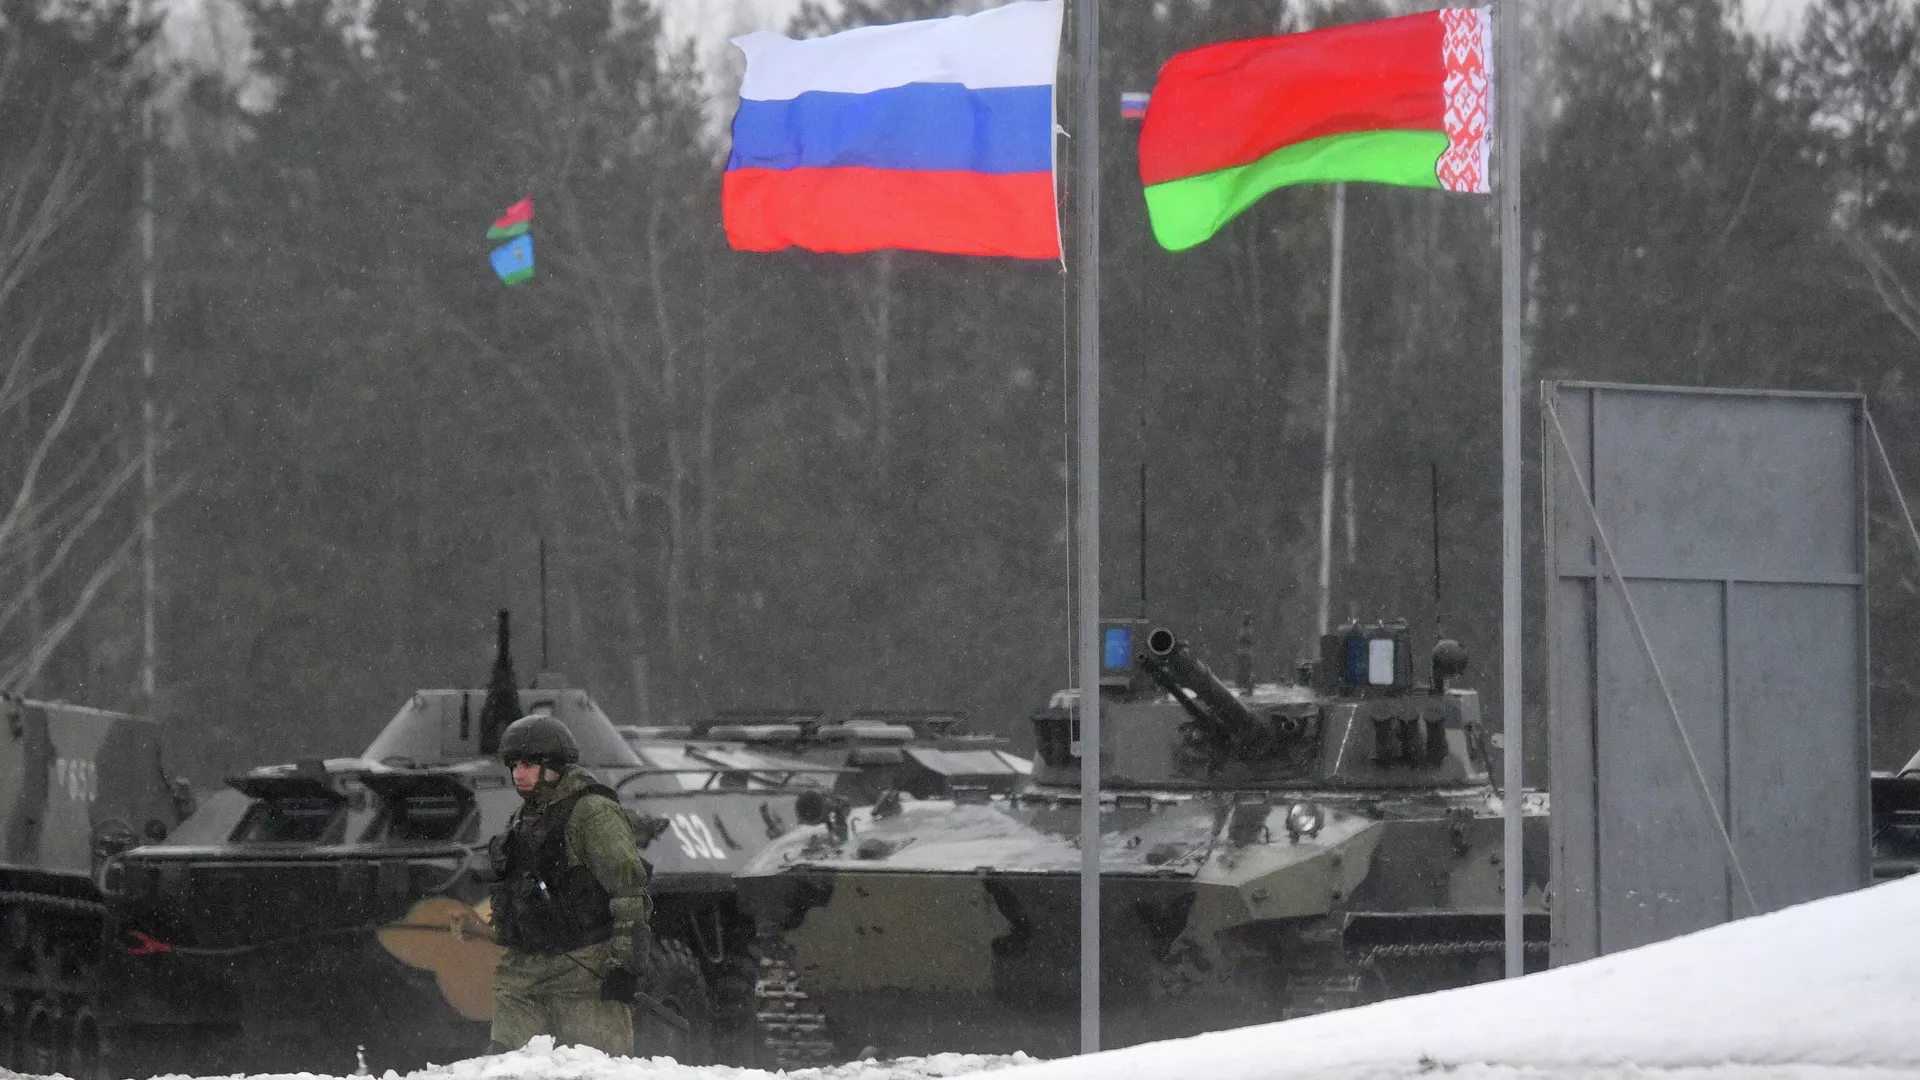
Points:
(934, 135)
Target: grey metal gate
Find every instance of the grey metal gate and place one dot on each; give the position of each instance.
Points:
(1737, 523)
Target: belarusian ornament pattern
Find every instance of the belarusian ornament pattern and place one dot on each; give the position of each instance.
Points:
(1467, 49)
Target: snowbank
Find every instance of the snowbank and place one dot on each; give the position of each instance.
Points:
(541, 1060)
(1825, 991)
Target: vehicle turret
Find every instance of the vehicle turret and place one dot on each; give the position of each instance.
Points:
(1226, 723)
(1353, 720)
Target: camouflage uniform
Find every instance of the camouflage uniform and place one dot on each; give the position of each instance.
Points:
(558, 994)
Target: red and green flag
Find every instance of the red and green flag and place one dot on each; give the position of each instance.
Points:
(1390, 101)
(515, 222)
(513, 260)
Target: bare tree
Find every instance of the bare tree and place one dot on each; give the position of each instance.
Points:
(1895, 294)
(66, 476)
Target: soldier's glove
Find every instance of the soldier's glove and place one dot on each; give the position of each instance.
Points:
(619, 985)
(633, 950)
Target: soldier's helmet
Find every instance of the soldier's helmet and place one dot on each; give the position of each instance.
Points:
(540, 737)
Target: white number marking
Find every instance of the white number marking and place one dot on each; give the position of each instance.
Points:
(696, 839)
(78, 777)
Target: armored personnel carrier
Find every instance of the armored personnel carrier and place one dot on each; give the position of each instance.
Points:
(78, 785)
(1267, 851)
(302, 920)
(922, 753)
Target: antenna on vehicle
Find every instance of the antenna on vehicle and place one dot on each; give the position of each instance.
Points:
(1433, 468)
(1143, 538)
(545, 665)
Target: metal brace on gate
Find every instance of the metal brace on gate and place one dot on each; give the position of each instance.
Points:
(1646, 646)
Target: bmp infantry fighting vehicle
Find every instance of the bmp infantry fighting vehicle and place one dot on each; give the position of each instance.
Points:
(78, 785)
(303, 918)
(920, 753)
(1267, 851)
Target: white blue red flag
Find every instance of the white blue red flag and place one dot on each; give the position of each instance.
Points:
(934, 135)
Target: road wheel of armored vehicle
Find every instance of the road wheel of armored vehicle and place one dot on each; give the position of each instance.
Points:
(1329, 984)
(41, 1033)
(736, 1034)
(81, 1054)
(680, 986)
(43, 954)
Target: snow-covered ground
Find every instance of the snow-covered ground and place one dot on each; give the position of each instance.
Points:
(541, 1060)
(1825, 991)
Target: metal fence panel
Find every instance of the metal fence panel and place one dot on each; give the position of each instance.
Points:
(1738, 522)
(1799, 700)
(1573, 851)
(1654, 840)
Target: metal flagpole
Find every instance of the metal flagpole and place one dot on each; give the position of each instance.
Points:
(1339, 215)
(1507, 96)
(149, 588)
(1086, 201)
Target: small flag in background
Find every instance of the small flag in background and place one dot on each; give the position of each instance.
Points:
(513, 260)
(1133, 105)
(515, 222)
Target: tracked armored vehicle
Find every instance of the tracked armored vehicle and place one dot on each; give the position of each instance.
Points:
(78, 785)
(1267, 851)
(302, 920)
(924, 753)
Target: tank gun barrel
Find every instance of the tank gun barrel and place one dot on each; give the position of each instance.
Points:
(1204, 696)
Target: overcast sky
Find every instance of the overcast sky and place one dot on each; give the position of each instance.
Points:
(212, 32)
(1776, 16)
(715, 20)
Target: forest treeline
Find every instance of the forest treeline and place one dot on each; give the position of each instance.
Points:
(841, 482)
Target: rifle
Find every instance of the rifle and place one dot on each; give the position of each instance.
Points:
(642, 998)
(654, 1006)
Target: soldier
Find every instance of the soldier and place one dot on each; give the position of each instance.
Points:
(571, 906)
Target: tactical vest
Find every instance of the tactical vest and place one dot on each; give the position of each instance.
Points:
(543, 905)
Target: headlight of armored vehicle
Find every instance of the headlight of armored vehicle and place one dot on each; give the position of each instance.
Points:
(1304, 819)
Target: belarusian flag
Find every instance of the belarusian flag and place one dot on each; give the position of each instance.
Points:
(515, 222)
(1391, 101)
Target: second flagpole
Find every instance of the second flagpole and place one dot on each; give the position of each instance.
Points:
(1086, 267)
(1512, 720)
